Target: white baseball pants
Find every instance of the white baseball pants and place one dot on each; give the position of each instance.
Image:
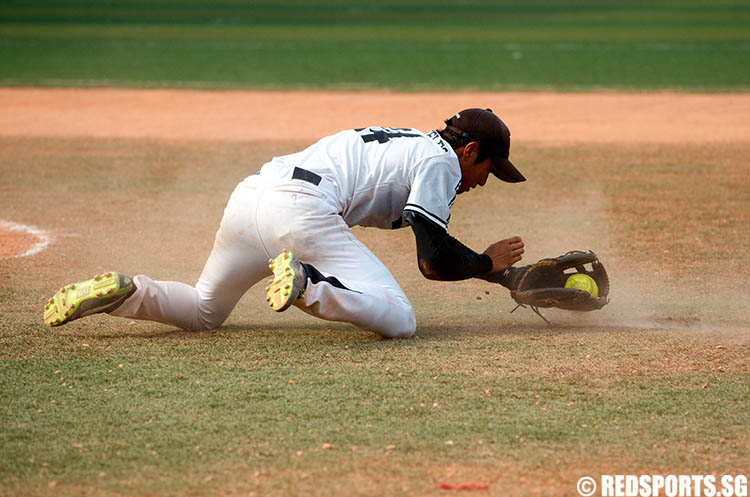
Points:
(260, 220)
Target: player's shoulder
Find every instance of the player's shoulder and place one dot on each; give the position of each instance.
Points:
(432, 144)
(439, 154)
(429, 148)
(419, 149)
(429, 142)
(439, 144)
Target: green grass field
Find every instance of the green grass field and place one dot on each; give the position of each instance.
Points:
(413, 45)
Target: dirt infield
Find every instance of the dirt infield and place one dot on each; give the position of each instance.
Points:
(662, 174)
(250, 115)
(14, 243)
(18, 240)
(655, 128)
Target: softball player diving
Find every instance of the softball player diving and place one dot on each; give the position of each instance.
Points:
(297, 211)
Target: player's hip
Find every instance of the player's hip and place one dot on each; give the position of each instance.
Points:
(261, 215)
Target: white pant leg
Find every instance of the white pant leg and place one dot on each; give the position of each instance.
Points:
(259, 222)
(304, 221)
(238, 260)
(168, 302)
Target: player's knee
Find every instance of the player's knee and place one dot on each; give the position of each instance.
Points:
(402, 328)
(401, 333)
(208, 321)
(210, 311)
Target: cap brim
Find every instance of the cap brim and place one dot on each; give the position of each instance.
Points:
(506, 171)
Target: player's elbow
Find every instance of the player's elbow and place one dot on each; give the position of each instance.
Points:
(429, 271)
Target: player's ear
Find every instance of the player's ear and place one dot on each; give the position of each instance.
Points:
(472, 148)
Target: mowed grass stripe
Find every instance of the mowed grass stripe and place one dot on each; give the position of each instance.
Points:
(506, 30)
(418, 65)
(416, 12)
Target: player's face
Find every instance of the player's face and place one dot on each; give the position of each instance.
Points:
(473, 173)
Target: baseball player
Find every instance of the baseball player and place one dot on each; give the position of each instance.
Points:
(298, 211)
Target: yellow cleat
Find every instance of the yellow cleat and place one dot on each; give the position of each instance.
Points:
(288, 282)
(103, 293)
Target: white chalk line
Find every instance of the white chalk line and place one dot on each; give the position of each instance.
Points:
(45, 239)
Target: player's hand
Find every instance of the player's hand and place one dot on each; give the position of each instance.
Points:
(505, 253)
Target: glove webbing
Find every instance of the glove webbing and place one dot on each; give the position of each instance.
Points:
(533, 308)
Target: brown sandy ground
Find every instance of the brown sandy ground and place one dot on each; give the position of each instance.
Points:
(632, 118)
(14, 243)
(634, 204)
(656, 183)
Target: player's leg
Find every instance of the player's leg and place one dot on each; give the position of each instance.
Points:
(372, 300)
(237, 261)
(345, 280)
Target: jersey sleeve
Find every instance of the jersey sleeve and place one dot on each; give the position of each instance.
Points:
(433, 190)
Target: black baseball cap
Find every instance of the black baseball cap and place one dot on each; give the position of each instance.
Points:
(485, 128)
